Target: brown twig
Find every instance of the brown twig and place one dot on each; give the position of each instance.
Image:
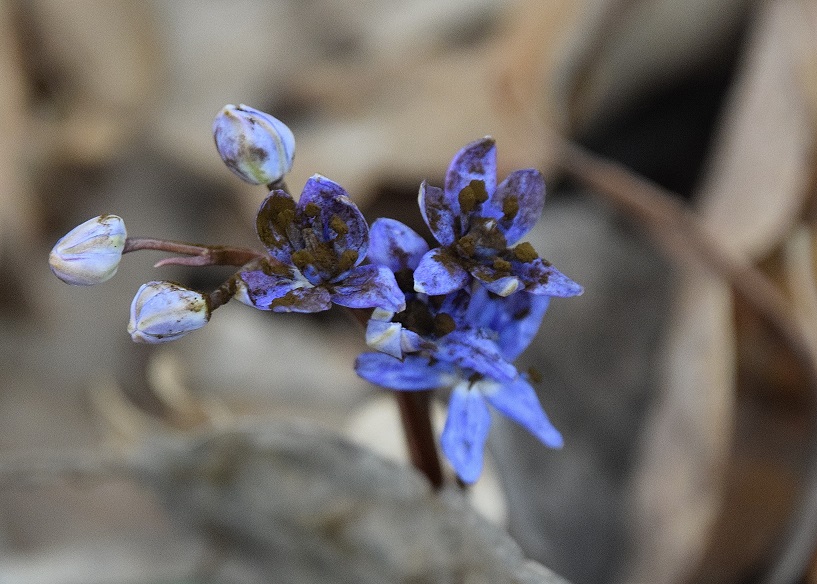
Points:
(682, 233)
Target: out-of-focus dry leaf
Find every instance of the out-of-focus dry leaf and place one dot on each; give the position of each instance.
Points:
(678, 483)
(630, 48)
(16, 202)
(759, 178)
(755, 189)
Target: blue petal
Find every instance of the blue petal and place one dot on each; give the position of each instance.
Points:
(283, 293)
(518, 401)
(369, 286)
(395, 245)
(496, 281)
(470, 350)
(439, 212)
(412, 374)
(275, 224)
(527, 188)
(540, 277)
(303, 300)
(465, 432)
(439, 273)
(385, 337)
(516, 318)
(334, 204)
(476, 161)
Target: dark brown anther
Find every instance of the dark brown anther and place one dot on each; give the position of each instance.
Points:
(510, 207)
(524, 252)
(338, 225)
(466, 246)
(347, 260)
(444, 324)
(480, 193)
(312, 210)
(501, 265)
(467, 200)
(302, 258)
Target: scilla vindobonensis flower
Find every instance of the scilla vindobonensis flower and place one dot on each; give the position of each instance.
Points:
(316, 247)
(90, 253)
(477, 222)
(474, 360)
(165, 311)
(256, 146)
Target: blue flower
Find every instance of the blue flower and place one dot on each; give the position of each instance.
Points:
(316, 247)
(474, 360)
(477, 222)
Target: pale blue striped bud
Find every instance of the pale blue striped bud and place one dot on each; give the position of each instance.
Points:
(90, 253)
(165, 311)
(256, 146)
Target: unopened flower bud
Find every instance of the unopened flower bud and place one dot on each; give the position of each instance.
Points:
(256, 146)
(164, 311)
(90, 253)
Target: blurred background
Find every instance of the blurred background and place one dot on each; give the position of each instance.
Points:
(688, 422)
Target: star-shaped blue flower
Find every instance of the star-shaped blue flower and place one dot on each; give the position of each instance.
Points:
(316, 247)
(474, 360)
(477, 223)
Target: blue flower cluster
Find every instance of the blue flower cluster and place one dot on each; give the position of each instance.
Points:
(473, 303)
(454, 316)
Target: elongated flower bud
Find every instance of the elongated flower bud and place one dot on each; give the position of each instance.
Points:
(90, 253)
(256, 146)
(164, 311)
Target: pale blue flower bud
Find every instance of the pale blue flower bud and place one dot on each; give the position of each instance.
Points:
(164, 311)
(90, 253)
(256, 146)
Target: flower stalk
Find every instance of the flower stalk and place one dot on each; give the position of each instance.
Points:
(199, 255)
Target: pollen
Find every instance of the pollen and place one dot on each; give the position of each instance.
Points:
(467, 246)
(347, 260)
(312, 210)
(338, 225)
(302, 258)
(510, 207)
(501, 265)
(524, 252)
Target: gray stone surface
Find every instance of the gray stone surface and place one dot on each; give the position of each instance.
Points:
(288, 503)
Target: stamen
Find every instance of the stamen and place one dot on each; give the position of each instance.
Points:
(510, 207)
(347, 260)
(338, 225)
(312, 210)
(524, 252)
(302, 258)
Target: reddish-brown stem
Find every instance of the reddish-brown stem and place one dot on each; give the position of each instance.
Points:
(202, 255)
(222, 295)
(415, 416)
